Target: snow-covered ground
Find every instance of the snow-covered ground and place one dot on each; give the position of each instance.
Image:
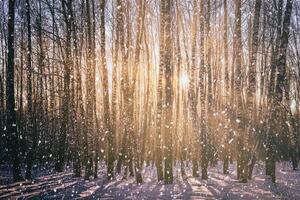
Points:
(219, 186)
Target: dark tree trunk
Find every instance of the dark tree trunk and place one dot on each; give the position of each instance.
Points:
(90, 82)
(270, 157)
(241, 149)
(78, 111)
(29, 130)
(227, 87)
(158, 150)
(12, 130)
(281, 86)
(60, 164)
(193, 96)
(107, 121)
(138, 152)
(168, 94)
(203, 118)
(252, 79)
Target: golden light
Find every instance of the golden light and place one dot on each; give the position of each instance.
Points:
(184, 80)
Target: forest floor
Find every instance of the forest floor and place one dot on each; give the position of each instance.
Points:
(219, 186)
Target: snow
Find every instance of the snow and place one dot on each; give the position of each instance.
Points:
(218, 186)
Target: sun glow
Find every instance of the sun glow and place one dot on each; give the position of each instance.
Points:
(184, 80)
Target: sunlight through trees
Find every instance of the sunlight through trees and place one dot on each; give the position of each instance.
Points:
(161, 83)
